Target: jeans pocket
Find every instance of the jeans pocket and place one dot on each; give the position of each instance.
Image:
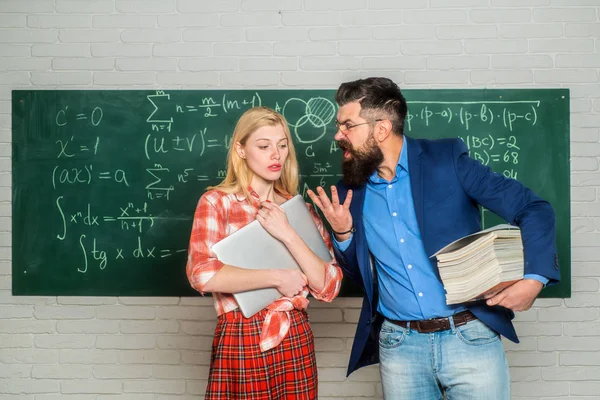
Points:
(476, 333)
(391, 336)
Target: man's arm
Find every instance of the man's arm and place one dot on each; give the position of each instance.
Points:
(345, 254)
(337, 212)
(519, 206)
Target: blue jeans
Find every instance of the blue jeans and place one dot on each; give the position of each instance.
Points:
(464, 363)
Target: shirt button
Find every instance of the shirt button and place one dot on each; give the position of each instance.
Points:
(389, 186)
(401, 240)
(409, 266)
(420, 294)
(394, 214)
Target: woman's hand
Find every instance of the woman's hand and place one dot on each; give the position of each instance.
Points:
(290, 282)
(273, 219)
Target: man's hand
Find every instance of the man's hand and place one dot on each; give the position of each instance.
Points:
(338, 215)
(518, 297)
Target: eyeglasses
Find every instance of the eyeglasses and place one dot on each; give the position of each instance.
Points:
(346, 127)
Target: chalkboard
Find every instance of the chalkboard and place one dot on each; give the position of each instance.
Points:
(105, 182)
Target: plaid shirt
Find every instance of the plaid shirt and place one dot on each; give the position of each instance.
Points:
(219, 215)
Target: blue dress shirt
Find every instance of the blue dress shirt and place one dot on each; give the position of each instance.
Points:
(409, 287)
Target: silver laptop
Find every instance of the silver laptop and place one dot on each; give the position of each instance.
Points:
(252, 247)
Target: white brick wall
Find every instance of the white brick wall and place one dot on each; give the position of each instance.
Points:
(106, 348)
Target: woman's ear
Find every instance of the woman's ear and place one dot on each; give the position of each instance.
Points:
(240, 150)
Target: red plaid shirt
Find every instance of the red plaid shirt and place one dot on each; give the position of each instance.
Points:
(219, 215)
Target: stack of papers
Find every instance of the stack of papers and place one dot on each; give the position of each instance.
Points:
(478, 266)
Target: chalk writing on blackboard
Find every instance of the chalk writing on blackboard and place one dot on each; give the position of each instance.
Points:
(105, 183)
(308, 119)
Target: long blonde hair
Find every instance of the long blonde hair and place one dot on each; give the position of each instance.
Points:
(239, 176)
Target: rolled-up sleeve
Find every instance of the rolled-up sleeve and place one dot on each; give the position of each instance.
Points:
(208, 228)
(333, 273)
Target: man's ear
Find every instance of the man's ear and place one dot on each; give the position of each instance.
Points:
(240, 150)
(383, 130)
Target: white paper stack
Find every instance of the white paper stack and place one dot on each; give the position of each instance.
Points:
(479, 265)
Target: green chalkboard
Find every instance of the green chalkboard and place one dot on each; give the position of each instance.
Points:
(105, 182)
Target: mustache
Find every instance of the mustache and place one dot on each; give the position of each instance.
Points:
(344, 145)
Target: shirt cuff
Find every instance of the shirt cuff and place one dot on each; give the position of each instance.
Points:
(537, 277)
(342, 246)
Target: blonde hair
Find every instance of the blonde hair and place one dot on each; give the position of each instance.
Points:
(239, 176)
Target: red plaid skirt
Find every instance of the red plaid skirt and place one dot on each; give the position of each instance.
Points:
(238, 369)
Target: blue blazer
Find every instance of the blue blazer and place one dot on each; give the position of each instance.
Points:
(447, 187)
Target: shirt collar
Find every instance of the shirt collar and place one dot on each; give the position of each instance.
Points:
(403, 161)
(256, 198)
(402, 164)
(253, 195)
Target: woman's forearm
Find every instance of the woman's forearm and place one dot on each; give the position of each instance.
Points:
(312, 266)
(232, 279)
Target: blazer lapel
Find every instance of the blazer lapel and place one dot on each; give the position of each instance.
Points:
(416, 178)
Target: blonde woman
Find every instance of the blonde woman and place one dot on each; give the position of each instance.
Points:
(270, 355)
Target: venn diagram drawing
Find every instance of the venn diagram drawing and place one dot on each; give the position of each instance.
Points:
(309, 119)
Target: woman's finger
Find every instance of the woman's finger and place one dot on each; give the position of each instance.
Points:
(260, 219)
(262, 213)
(267, 205)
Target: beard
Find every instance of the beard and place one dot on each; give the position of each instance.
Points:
(362, 162)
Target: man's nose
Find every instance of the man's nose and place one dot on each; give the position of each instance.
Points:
(339, 135)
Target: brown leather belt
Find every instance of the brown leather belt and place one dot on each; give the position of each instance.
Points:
(436, 324)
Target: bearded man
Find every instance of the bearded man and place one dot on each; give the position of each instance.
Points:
(400, 201)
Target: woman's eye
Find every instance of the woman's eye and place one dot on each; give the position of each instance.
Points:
(263, 147)
(283, 146)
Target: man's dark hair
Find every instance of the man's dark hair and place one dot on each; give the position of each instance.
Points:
(378, 98)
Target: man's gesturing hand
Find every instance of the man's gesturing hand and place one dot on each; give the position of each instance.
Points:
(338, 215)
